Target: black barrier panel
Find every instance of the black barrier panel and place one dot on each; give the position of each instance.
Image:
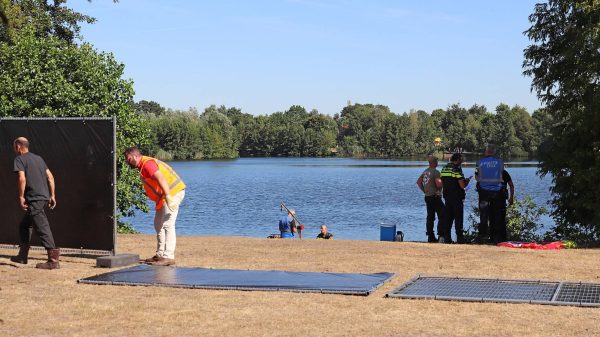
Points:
(273, 280)
(80, 154)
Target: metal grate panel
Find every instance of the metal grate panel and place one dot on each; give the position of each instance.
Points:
(498, 290)
(579, 293)
(478, 289)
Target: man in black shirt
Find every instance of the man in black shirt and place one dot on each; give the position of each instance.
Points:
(36, 191)
(324, 233)
(454, 183)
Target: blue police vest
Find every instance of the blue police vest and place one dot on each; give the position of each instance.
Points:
(489, 173)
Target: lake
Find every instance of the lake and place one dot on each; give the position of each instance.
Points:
(352, 196)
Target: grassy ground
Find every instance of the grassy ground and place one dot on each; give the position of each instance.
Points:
(51, 303)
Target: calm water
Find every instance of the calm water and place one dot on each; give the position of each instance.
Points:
(353, 197)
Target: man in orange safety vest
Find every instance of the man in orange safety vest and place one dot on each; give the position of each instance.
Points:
(167, 190)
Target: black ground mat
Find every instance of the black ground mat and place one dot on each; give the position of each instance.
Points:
(268, 280)
(499, 290)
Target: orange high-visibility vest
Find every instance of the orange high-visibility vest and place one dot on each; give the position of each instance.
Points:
(153, 189)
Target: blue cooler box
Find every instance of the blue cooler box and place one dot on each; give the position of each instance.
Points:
(387, 232)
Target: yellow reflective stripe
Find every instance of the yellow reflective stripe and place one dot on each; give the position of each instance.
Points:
(451, 174)
(146, 184)
(174, 183)
(171, 171)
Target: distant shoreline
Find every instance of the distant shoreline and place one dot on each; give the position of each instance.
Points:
(414, 162)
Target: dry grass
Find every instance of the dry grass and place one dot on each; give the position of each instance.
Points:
(51, 303)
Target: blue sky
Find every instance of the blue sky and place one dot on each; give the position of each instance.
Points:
(265, 55)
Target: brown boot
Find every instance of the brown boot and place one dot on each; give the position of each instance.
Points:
(52, 263)
(164, 262)
(22, 256)
(151, 260)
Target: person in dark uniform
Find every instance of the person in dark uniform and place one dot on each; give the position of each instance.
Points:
(454, 184)
(489, 174)
(36, 191)
(508, 194)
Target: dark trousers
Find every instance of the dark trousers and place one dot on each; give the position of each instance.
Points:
(434, 206)
(503, 232)
(453, 212)
(491, 224)
(35, 218)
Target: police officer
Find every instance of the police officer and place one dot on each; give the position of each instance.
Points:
(454, 184)
(491, 196)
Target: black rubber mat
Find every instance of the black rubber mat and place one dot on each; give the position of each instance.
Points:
(497, 290)
(269, 280)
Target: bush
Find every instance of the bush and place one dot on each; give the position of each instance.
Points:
(164, 155)
(522, 221)
(125, 228)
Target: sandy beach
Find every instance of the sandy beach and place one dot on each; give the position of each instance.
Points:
(52, 303)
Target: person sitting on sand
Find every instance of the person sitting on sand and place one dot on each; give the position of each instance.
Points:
(324, 233)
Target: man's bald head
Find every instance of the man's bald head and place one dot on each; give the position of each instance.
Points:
(21, 145)
(22, 141)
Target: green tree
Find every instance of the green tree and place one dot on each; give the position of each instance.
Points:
(220, 134)
(149, 108)
(506, 135)
(45, 18)
(459, 125)
(428, 131)
(43, 77)
(542, 124)
(361, 127)
(564, 63)
(178, 134)
(320, 135)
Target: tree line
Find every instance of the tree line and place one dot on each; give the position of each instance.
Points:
(359, 130)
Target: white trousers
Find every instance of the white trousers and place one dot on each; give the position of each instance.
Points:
(164, 224)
